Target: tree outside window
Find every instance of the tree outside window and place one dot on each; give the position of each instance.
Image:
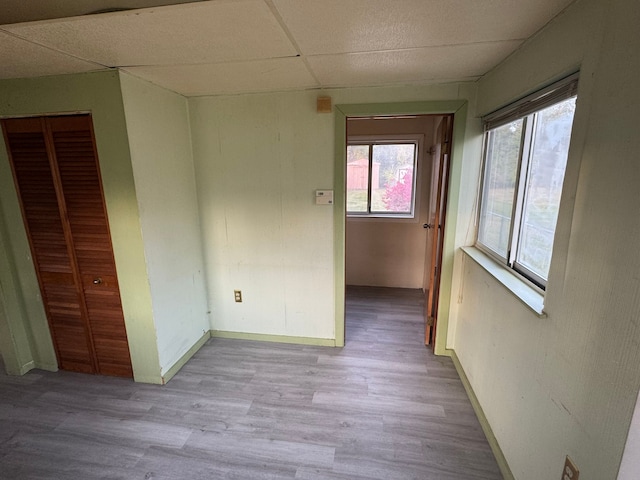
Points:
(380, 178)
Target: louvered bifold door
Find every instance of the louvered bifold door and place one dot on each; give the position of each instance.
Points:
(77, 164)
(27, 145)
(56, 171)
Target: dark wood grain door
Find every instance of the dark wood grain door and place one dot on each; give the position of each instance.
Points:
(440, 184)
(58, 180)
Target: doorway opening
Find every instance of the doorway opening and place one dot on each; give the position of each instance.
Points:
(396, 184)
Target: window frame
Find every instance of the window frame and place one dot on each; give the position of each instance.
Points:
(526, 109)
(371, 140)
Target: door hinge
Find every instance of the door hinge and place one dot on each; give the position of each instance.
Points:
(430, 321)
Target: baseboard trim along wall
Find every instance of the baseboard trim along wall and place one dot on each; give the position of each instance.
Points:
(168, 375)
(323, 342)
(491, 438)
(25, 368)
(261, 337)
(186, 357)
(49, 367)
(30, 365)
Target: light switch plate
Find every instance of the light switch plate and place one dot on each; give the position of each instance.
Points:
(324, 197)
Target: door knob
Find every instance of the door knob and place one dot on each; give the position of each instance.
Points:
(97, 281)
(427, 225)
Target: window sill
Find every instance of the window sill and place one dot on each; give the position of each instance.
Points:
(528, 295)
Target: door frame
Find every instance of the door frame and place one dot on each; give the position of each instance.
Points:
(437, 224)
(458, 108)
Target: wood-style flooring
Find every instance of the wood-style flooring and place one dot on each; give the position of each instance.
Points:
(383, 407)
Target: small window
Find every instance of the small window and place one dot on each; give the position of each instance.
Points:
(381, 178)
(525, 155)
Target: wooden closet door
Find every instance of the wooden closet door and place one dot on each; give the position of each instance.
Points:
(57, 175)
(77, 162)
(26, 143)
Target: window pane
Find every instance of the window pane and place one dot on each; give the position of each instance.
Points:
(357, 178)
(544, 186)
(392, 178)
(501, 169)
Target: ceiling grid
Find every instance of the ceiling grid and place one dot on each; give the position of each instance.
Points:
(217, 47)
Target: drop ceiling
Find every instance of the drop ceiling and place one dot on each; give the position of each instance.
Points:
(238, 46)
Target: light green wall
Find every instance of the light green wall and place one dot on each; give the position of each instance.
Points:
(462, 152)
(160, 145)
(259, 158)
(15, 340)
(567, 384)
(98, 93)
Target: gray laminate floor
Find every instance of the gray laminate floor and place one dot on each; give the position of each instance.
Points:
(382, 407)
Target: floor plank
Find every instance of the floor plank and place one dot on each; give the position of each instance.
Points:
(383, 407)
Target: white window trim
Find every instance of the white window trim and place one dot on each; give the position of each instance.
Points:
(524, 108)
(418, 139)
(550, 95)
(509, 261)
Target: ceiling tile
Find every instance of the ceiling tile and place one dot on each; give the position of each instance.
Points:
(229, 78)
(460, 62)
(15, 11)
(204, 32)
(23, 59)
(339, 26)
(237, 46)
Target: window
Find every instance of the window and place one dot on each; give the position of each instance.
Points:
(381, 178)
(525, 154)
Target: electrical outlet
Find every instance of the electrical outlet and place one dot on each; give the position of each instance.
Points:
(570, 471)
(238, 295)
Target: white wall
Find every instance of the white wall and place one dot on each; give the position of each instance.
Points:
(160, 144)
(385, 252)
(258, 160)
(567, 384)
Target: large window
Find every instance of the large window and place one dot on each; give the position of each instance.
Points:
(525, 155)
(381, 178)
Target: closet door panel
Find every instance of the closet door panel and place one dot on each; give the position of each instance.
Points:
(61, 296)
(79, 175)
(110, 339)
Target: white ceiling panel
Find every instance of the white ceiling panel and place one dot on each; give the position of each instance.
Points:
(203, 32)
(460, 62)
(213, 47)
(339, 26)
(228, 78)
(15, 11)
(19, 58)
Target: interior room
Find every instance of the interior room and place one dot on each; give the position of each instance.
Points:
(384, 252)
(213, 125)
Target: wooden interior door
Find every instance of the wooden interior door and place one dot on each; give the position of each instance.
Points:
(440, 184)
(56, 172)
